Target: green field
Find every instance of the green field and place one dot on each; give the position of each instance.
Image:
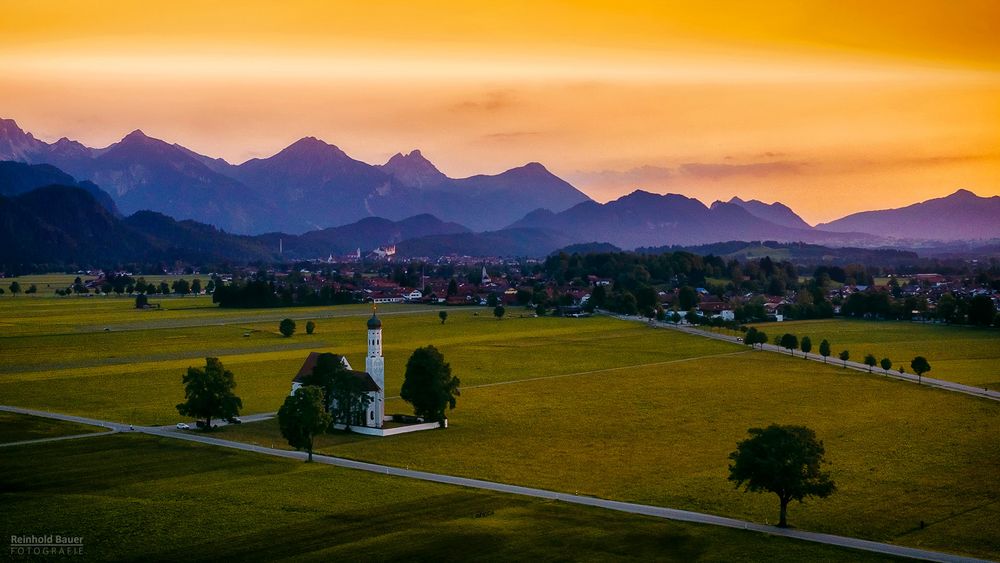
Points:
(178, 501)
(660, 435)
(597, 406)
(16, 427)
(956, 353)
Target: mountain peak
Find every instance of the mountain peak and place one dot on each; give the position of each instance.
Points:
(962, 193)
(414, 170)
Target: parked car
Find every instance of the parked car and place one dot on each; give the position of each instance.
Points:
(234, 420)
(182, 426)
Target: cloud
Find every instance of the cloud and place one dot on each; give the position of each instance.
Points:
(715, 171)
(508, 136)
(490, 102)
(639, 176)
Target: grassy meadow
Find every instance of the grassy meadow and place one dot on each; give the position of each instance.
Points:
(661, 435)
(183, 501)
(597, 406)
(956, 353)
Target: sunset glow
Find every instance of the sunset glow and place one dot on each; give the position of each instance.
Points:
(830, 108)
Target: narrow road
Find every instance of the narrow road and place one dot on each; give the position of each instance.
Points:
(633, 508)
(857, 366)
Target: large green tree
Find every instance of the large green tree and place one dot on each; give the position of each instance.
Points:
(920, 367)
(784, 460)
(824, 349)
(208, 393)
(806, 345)
(789, 342)
(302, 417)
(428, 384)
(287, 327)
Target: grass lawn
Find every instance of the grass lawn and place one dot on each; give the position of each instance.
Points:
(595, 405)
(15, 427)
(661, 435)
(956, 353)
(135, 376)
(181, 501)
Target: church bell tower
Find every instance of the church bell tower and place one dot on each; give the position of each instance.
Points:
(375, 365)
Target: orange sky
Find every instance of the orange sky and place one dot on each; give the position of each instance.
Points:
(828, 107)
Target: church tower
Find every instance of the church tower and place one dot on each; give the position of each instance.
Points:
(375, 365)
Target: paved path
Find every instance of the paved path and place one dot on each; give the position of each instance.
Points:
(633, 508)
(928, 381)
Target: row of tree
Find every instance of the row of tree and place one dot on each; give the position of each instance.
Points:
(754, 337)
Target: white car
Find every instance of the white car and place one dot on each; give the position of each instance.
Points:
(182, 426)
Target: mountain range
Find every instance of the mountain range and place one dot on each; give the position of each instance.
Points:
(308, 185)
(316, 200)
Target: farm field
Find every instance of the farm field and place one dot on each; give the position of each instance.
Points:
(661, 435)
(956, 353)
(134, 376)
(260, 508)
(596, 406)
(15, 427)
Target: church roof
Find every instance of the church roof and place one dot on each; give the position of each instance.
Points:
(310, 364)
(374, 322)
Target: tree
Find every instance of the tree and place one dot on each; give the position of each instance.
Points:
(920, 366)
(870, 361)
(946, 307)
(492, 300)
(750, 338)
(806, 345)
(687, 297)
(824, 349)
(15, 288)
(196, 286)
(181, 287)
(761, 338)
(981, 310)
(789, 342)
(886, 363)
(208, 393)
(675, 318)
(499, 311)
(302, 417)
(310, 327)
(287, 327)
(31, 289)
(784, 460)
(443, 315)
(428, 384)
(845, 355)
(452, 288)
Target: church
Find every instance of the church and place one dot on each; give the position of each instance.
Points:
(372, 379)
(373, 421)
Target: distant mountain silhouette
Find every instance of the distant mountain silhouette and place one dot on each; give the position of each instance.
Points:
(960, 216)
(646, 219)
(18, 178)
(777, 213)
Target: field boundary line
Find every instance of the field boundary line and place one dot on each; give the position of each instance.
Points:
(619, 506)
(58, 438)
(591, 372)
(931, 382)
